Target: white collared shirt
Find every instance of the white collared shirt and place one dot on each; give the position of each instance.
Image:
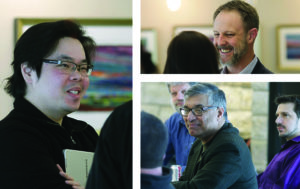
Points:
(247, 70)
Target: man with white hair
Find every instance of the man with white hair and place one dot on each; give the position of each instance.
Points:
(180, 142)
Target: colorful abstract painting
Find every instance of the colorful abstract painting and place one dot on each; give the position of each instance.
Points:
(111, 79)
(293, 46)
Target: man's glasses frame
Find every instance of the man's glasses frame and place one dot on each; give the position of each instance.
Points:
(197, 111)
(70, 70)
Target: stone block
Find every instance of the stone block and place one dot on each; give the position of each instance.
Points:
(155, 93)
(260, 103)
(238, 98)
(260, 86)
(259, 154)
(243, 121)
(259, 127)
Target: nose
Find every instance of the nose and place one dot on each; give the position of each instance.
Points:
(76, 76)
(220, 40)
(180, 96)
(278, 120)
(191, 117)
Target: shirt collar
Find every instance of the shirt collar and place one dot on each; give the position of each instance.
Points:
(296, 139)
(293, 140)
(247, 70)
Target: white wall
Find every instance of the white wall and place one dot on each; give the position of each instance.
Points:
(156, 15)
(11, 9)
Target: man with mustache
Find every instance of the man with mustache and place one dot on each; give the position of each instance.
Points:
(284, 169)
(235, 28)
(219, 158)
(180, 142)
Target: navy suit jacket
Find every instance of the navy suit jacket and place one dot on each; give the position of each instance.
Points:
(260, 69)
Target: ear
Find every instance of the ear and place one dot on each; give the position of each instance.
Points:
(220, 112)
(26, 72)
(252, 34)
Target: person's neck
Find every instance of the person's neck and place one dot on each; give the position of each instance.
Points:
(157, 171)
(243, 63)
(54, 117)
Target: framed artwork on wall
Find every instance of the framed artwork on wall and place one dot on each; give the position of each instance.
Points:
(111, 79)
(288, 48)
(149, 42)
(205, 29)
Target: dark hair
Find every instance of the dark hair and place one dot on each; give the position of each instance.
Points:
(147, 66)
(191, 52)
(38, 42)
(154, 140)
(290, 99)
(248, 13)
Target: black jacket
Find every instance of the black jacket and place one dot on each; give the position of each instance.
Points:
(112, 164)
(260, 69)
(224, 163)
(31, 145)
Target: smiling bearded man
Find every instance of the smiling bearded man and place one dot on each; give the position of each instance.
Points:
(235, 28)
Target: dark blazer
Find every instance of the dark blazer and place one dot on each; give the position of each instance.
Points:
(225, 163)
(260, 69)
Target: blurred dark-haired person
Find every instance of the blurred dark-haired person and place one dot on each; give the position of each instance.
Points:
(147, 66)
(219, 158)
(154, 139)
(236, 25)
(284, 169)
(112, 164)
(191, 52)
(51, 65)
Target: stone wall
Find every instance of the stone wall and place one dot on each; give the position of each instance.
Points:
(259, 131)
(247, 106)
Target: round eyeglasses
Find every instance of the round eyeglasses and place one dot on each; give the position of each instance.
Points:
(68, 67)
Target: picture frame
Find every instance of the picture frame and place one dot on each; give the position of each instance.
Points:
(149, 42)
(288, 48)
(111, 79)
(204, 29)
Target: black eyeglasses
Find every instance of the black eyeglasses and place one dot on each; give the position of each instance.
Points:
(68, 67)
(197, 111)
